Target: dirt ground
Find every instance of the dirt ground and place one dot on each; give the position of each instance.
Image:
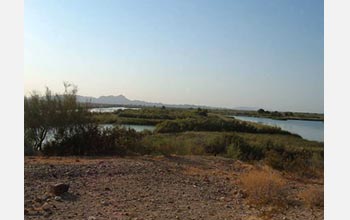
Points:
(148, 187)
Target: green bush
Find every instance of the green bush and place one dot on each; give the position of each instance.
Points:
(233, 152)
(215, 124)
(92, 141)
(238, 148)
(216, 146)
(43, 114)
(301, 161)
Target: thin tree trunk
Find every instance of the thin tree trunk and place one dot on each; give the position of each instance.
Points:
(41, 139)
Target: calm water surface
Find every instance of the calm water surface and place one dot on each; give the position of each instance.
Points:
(110, 109)
(310, 130)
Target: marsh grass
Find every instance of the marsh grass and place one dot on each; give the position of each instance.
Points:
(282, 152)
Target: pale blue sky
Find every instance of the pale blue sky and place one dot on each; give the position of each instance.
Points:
(266, 54)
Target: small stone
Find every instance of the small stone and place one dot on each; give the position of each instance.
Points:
(59, 189)
(105, 203)
(222, 198)
(91, 218)
(45, 197)
(46, 207)
(58, 198)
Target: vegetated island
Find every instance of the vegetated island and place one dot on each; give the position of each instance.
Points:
(196, 164)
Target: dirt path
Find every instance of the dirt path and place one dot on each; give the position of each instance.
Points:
(189, 187)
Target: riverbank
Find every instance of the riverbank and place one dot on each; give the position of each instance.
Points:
(157, 187)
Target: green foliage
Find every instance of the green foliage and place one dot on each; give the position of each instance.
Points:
(73, 128)
(59, 113)
(299, 160)
(157, 113)
(178, 131)
(268, 114)
(111, 118)
(261, 111)
(202, 112)
(92, 141)
(215, 146)
(283, 152)
(215, 124)
(233, 152)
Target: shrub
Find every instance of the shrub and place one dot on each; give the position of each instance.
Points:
(300, 161)
(233, 152)
(215, 124)
(43, 114)
(312, 196)
(263, 187)
(238, 148)
(216, 146)
(92, 141)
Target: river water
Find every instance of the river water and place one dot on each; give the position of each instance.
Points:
(310, 130)
(110, 109)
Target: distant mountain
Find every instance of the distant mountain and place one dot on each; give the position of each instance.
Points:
(122, 100)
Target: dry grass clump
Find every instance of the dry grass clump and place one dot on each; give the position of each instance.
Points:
(312, 196)
(263, 186)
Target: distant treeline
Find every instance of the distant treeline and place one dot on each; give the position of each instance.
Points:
(278, 115)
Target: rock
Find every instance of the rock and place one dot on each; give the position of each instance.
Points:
(45, 197)
(92, 218)
(105, 203)
(58, 198)
(59, 189)
(46, 207)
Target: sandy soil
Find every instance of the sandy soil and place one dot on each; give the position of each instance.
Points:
(186, 187)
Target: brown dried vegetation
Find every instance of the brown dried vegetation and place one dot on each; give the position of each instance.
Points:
(263, 186)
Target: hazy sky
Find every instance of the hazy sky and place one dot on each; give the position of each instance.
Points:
(266, 54)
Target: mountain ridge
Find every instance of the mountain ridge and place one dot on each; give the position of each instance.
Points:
(123, 100)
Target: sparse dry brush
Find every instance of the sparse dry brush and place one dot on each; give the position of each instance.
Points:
(264, 187)
(312, 196)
